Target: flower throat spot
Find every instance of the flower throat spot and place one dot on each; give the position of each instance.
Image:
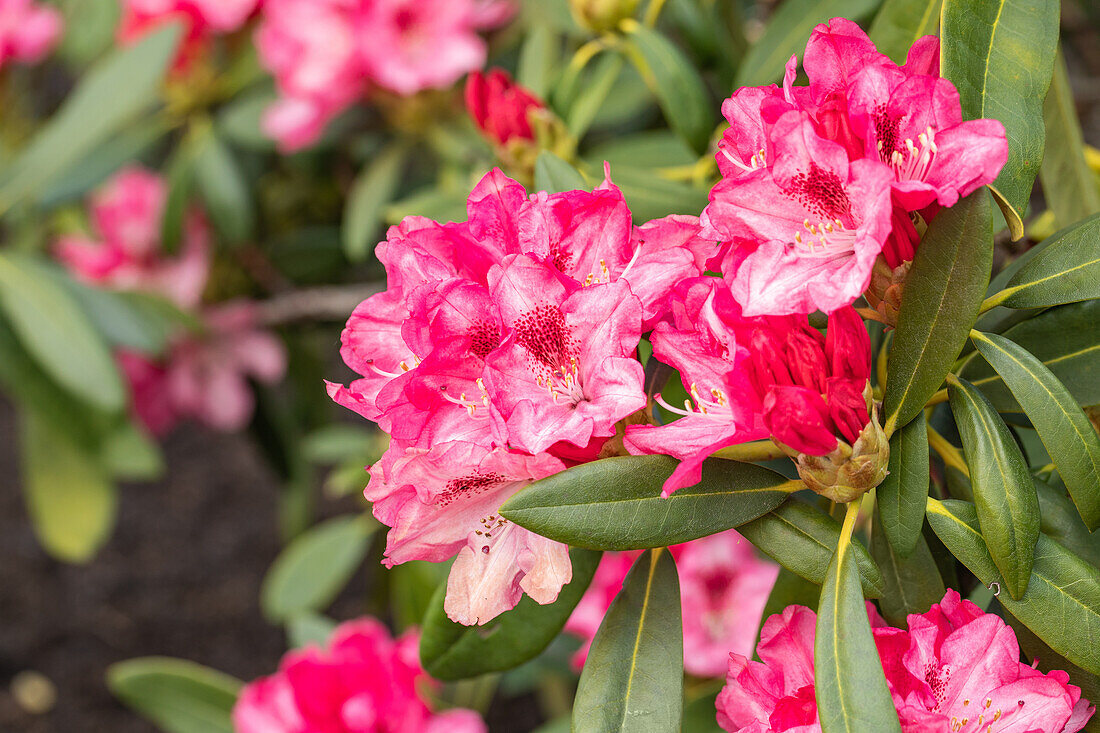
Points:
(821, 192)
(547, 338)
(484, 337)
(468, 486)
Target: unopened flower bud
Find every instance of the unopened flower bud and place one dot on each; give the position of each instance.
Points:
(601, 16)
(885, 292)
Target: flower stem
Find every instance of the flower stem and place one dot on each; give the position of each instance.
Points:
(995, 300)
(760, 450)
(937, 398)
(652, 12)
(849, 525)
(951, 455)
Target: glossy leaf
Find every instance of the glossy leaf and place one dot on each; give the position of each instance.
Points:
(646, 150)
(634, 676)
(451, 651)
(1070, 188)
(224, 190)
(903, 494)
(176, 695)
(1068, 436)
(54, 329)
(554, 175)
(373, 188)
(1065, 271)
(1062, 603)
(899, 23)
(1059, 520)
(850, 686)
(538, 59)
(111, 95)
(1000, 56)
(912, 584)
(943, 291)
(679, 88)
(616, 504)
(1008, 508)
(70, 498)
(786, 34)
(802, 539)
(310, 572)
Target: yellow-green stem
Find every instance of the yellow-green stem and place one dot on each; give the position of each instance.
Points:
(938, 398)
(951, 455)
(995, 300)
(760, 450)
(652, 12)
(849, 526)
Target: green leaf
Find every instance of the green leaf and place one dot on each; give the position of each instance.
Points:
(699, 714)
(616, 504)
(181, 183)
(223, 188)
(789, 590)
(943, 291)
(372, 190)
(1065, 271)
(802, 539)
(633, 678)
(1068, 436)
(538, 59)
(646, 150)
(130, 454)
(1008, 508)
(309, 628)
(239, 120)
(903, 494)
(1070, 187)
(119, 318)
(312, 570)
(451, 651)
(652, 197)
(1060, 521)
(680, 90)
(899, 23)
(112, 94)
(786, 34)
(912, 583)
(598, 85)
(412, 588)
(1000, 56)
(70, 498)
(554, 175)
(176, 695)
(849, 682)
(58, 334)
(1062, 603)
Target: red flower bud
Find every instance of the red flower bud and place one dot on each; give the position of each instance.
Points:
(797, 417)
(499, 106)
(847, 345)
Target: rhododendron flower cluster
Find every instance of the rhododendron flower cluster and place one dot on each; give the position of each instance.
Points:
(503, 350)
(204, 375)
(326, 54)
(820, 181)
(956, 668)
(724, 587)
(28, 30)
(362, 681)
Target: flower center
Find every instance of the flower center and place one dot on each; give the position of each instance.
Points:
(912, 161)
(716, 407)
(821, 192)
(551, 351)
(467, 486)
(756, 161)
(484, 337)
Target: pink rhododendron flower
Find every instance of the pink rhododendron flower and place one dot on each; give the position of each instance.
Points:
(201, 19)
(804, 198)
(326, 54)
(723, 588)
(956, 668)
(28, 30)
(445, 502)
(363, 681)
(749, 378)
(499, 106)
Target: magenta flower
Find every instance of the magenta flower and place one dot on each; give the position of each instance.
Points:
(445, 502)
(956, 668)
(201, 20)
(723, 589)
(362, 681)
(28, 31)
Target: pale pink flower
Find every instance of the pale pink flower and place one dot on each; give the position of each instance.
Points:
(445, 502)
(724, 587)
(362, 681)
(28, 30)
(956, 668)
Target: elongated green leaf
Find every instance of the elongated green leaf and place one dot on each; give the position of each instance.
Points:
(1066, 432)
(850, 686)
(651, 197)
(679, 88)
(309, 628)
(239, 120)
(538, 59)
(902, 496)
(1000, 56)
(1065, 271)
(224, 190)
(111, 95)
(130, 454)
(789, 590)
(373, 189)
(899, 23)
(802, 539)
(912, 583)
(616, 504)
(586, 105)
(1062, 603)
(450, 651)
(1070, 188)
(554, 175)
(57, 333)
(1060, 521)
(942, 294)
(786, 34)
(646, 150)
(119, 318)
(176, 695)
(698, 714)
(633, 679)
(1008, 508)
(310, 572)
(70, 497)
